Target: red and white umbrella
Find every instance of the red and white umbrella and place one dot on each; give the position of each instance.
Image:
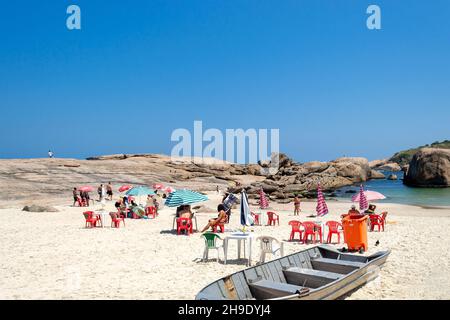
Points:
(169, 190)
(86, 189)
(263, 202)
(321, 207)
(370, 196)
(125, 188)
(363, 204)
(158, 186)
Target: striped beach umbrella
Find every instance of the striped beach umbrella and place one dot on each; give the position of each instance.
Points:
(263, 202)
(183, 197)
(158, 186)
(363, 204)
(321, 207)
(246, 216)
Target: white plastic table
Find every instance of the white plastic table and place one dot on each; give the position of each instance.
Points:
(247, 238)
(103, 215)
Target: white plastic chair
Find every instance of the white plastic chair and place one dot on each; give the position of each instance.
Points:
(270, 245)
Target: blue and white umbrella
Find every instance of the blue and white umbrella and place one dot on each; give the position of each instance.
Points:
(140, 191)
(184, 197)
(246, 216)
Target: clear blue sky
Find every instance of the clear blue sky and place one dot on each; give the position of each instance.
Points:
(139, 69)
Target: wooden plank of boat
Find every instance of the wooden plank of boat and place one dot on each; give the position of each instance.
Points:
(266, 289)
(309, 277)
(336, 266)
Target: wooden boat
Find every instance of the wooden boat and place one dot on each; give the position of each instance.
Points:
(317, 273)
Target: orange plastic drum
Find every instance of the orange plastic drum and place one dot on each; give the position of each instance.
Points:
(355, 232)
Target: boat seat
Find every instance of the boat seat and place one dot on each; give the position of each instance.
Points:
(309, 277)
(336, 266)
(266, 289)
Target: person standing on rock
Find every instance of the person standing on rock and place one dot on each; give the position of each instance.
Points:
(297, 205)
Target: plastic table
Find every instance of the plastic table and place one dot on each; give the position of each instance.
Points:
(239, 237)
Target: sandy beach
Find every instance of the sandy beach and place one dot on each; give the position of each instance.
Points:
(52, 255)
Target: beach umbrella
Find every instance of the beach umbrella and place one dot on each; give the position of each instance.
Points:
(370, 196)
(246, 216)
(183, 197)
(363, 204)
(125, 188)
(140, 191)
(158, 186)
(321, 207)
(86, 189)
(169, 190)
(263, 202)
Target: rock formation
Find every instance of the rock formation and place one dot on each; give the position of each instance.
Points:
(430, 167)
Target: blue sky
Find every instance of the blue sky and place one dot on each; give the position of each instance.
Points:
(140, 69)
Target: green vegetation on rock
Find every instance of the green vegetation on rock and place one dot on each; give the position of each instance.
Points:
(404, 157)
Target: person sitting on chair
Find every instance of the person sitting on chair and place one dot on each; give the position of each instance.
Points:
(371, 209)
(353, 210)
(221, 218)
(185, 212)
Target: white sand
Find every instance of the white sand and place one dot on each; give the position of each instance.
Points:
(52, 255)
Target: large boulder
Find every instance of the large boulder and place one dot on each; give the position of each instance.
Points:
(375, 174)
(375, 164)
(355, 169)
(392, 166)
(429, 168)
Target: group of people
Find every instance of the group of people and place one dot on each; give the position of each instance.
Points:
(105, 192)
(81, 197)
(127, 205)
(370, 210)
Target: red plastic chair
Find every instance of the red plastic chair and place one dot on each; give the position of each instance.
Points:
(116, 218)
(272, 218)
(256, 218)
(184, 224)
(91, 221)
(295, 229)
(151, 211)
(376, 220)
(221, 226)
(333, 228)
(312, 229)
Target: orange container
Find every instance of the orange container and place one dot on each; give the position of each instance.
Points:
(355, 232)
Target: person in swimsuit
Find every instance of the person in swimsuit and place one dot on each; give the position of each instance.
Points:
(296, 205)
(109, 191)
(76, 197)
(221, 218)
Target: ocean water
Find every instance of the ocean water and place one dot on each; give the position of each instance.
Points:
(397, 192)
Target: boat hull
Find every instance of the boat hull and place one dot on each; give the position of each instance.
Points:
(335, 275)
